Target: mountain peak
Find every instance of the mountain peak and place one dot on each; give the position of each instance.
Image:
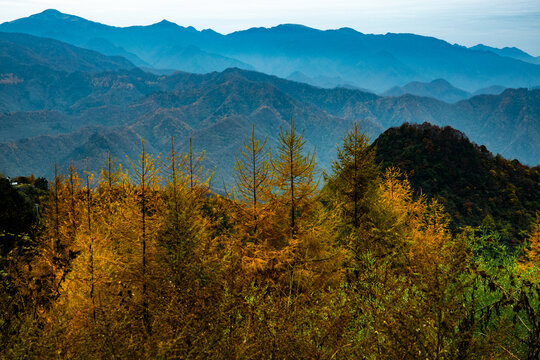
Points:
(50, 12)
(439, 89)
(53, 14)
(166, 23)
(441, 82)
(294, 27)
(232, 70)
(348, 30)
(507, 50)
(511, 52)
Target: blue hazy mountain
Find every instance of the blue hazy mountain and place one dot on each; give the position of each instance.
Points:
(59, 104)
(162, 46)
(441, 89)
(58, 101)
(105, 47)
(438, 89)
(511, 52)
(323, 81)
(17, 51)
(490, 90)
(376, 62)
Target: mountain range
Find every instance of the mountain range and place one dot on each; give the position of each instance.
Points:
(440, 89)
(81, 103)
(511, 52)
(328, 58)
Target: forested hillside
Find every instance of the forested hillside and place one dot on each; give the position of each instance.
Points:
(144, 261)
(474, 186)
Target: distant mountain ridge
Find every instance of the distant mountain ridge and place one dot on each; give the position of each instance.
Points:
(342, 56)
(440, 89)
(511, 52)
(19, 50)
(143, 45)
(70, 114)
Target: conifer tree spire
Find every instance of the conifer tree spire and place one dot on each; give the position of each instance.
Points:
(294, 175)
(252, 175)
(354, 175)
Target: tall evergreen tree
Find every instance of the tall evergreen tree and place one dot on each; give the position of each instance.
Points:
(354, 178)
(191, 172)
(146, 174)
(295, 182)
(91, 249)
(252, 177)
(182, 222)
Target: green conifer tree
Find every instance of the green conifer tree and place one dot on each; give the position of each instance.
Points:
(294, 176)
(355, 174)
(252, 178)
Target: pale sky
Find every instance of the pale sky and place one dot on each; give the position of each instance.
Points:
(496, 23)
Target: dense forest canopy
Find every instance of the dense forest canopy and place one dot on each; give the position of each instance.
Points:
(474, 186)
(146, 262)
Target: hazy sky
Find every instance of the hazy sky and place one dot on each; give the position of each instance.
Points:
(497, 23)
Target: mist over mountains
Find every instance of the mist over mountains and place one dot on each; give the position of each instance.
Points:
(328, 58)
(79, 103)
(439, 89)
(511, 52)
(98, 88)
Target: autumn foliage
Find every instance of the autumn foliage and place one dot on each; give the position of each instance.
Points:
(150, 262)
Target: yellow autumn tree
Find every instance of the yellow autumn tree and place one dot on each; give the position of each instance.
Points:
(146, 177)
(531, 258)
(294, 179)
(252, 178)
(61, 222)
(54, 261)
(420, 304)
